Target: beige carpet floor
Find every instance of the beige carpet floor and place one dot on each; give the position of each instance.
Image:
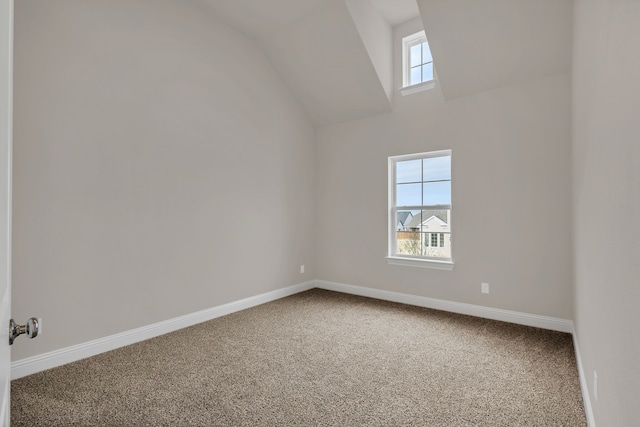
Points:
(318, 358)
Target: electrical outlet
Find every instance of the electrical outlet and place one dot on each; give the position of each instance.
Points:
(302, 269)
(595, 385)
(484, 288)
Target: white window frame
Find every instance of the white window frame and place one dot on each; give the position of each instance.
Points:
(411, 260)
(407, 42)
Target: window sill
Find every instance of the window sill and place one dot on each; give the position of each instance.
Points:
(424, 263)
(408, 90)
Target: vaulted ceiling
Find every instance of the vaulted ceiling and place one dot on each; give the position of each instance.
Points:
(486, 44)
(336, 55)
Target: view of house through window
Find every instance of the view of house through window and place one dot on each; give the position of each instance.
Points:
(420, 211)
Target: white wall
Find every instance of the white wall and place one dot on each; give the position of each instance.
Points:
(153, 144)
(160, 168)
(606, 188)
(511, 194)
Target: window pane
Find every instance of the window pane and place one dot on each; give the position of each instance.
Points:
(427, 72)
(435, 223)
(429, 220)
(426, 240)
(426, 53)
(415, 53)
(416, 76)
(408, 194)
(437, 168)
(437, 193)
(409, 243)
(420, 182)
(409, 171)
(440, 250)
(406, 219)
(435, 220)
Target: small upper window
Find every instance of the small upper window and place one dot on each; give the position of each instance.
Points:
(417, 63)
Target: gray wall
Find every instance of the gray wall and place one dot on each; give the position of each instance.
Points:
(160, 168)
(606, 188)
(511, 195)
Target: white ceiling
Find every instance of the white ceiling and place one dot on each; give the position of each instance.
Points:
(326, 57)
(317, 50)
(259, 18)
(323, 61)
(397, 11)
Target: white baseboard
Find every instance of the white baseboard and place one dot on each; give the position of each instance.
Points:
(41, 362)
(586, 399)
(32, 365)
(544, 322)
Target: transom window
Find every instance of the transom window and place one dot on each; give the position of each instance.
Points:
(420, 207)
(417, 62)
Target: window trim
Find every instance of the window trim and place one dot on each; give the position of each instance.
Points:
(407, 43)
(424, 263)
(406, 260)
(419, 87)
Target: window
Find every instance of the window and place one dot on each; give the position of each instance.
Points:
(417, 64)
(420, 209)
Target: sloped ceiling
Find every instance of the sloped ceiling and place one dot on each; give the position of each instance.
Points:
(485, 44)
(319, 51)
(331, 53)
(259, 18)
(323, 60)
(397, 11)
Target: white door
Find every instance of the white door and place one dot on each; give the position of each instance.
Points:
(6, 65)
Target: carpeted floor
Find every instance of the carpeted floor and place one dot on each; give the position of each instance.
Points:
(318, 358)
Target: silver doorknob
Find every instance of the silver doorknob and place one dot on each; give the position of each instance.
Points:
(30, 329)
